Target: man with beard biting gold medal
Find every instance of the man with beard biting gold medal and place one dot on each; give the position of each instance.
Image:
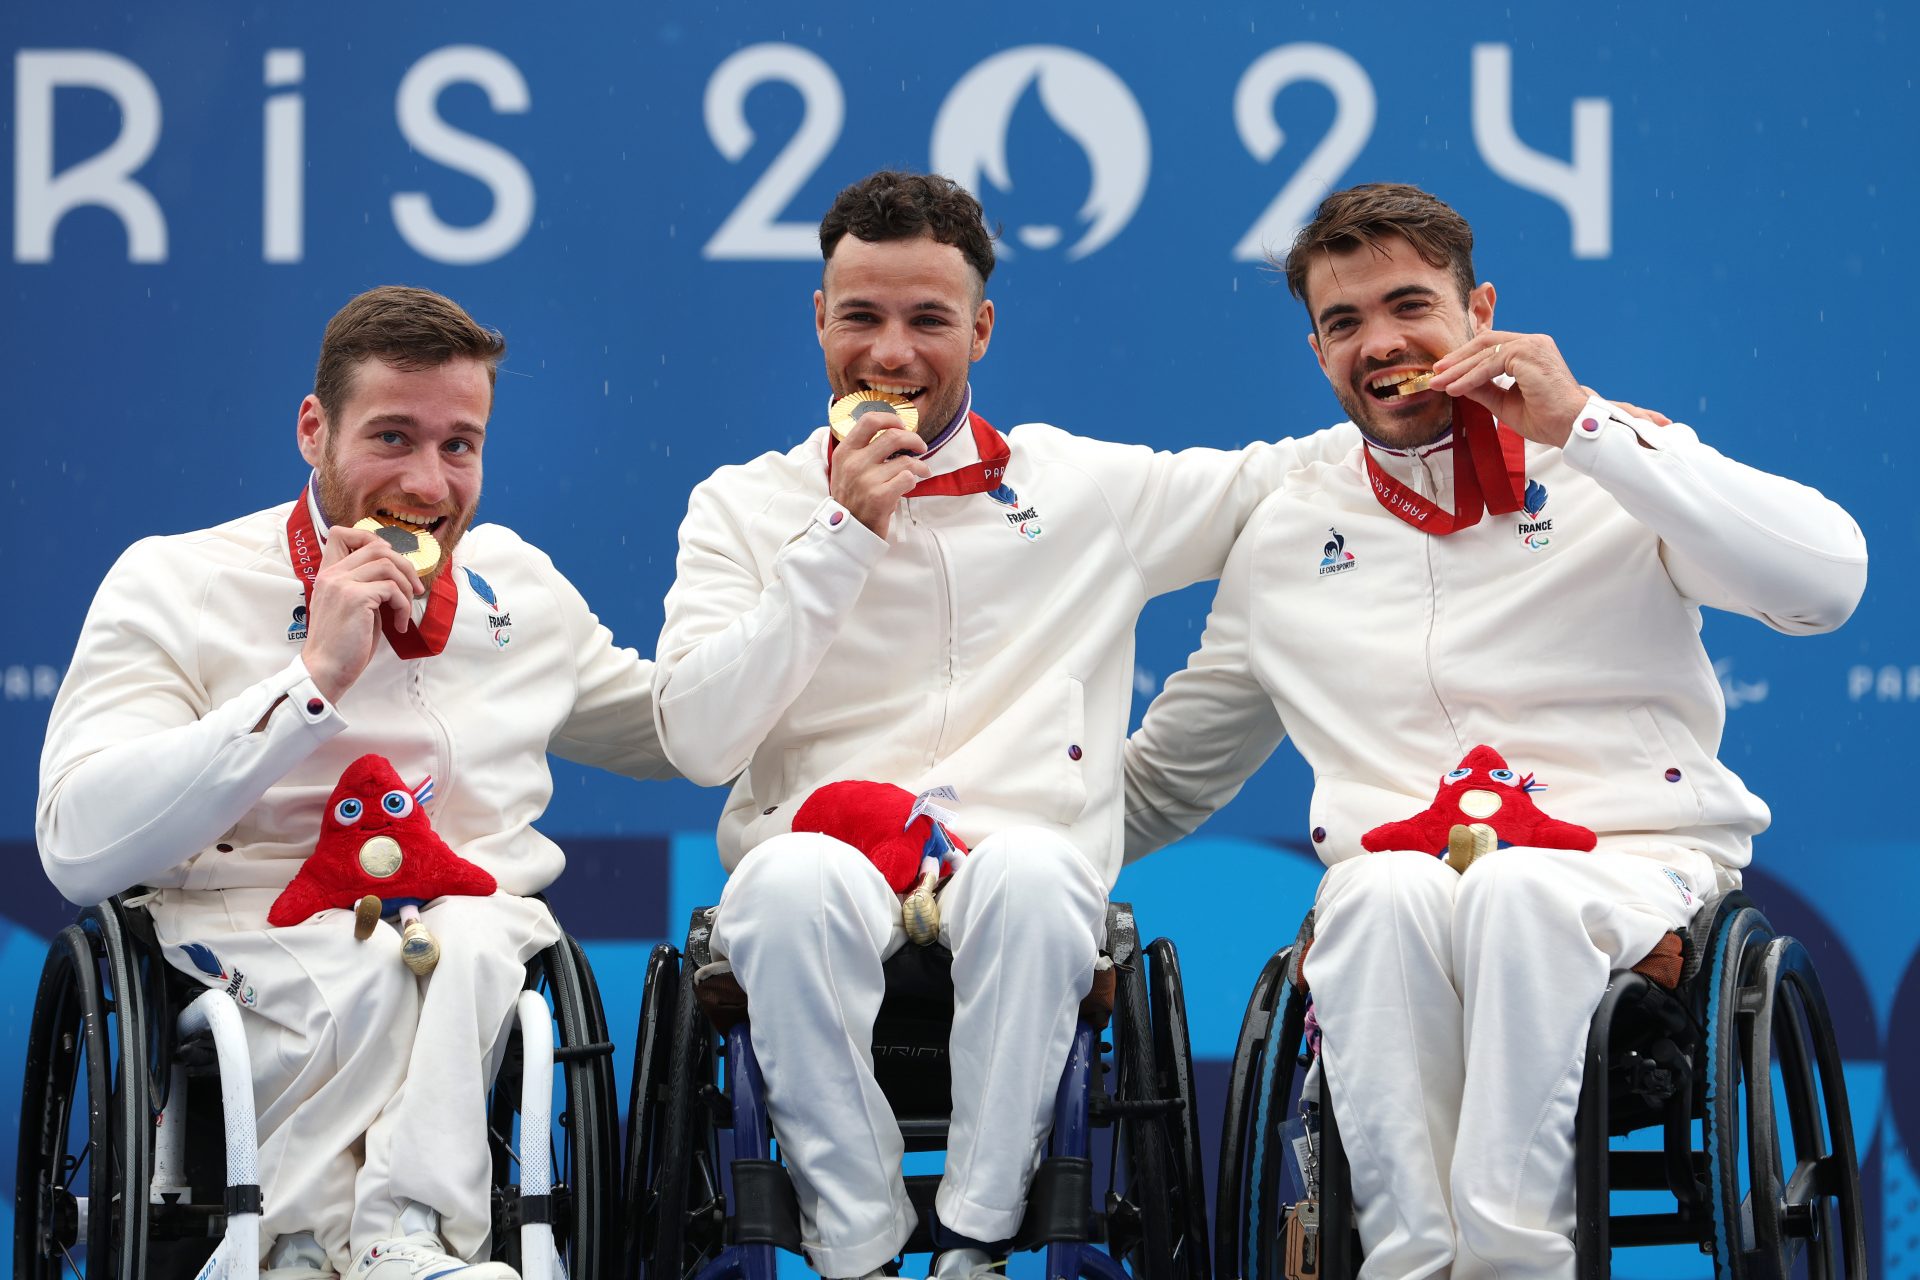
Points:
(223, 682)
(1535, 586)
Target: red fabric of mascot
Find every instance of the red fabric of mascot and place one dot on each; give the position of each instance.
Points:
(1481, 805)
(375, 839)
(873, 818)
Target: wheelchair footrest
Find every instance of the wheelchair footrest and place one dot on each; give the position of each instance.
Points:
(766, 1210)
(1059, 1204)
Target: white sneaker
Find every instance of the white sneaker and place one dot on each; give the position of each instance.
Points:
(422, 1257)
(965, 1264)
(297, 1256)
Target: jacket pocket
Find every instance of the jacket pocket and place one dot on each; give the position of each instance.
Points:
(1073, 787)
(1669, 772)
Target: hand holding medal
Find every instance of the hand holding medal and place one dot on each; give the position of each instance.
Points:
(875, 460)
(421, 549)
(1520, 378)
(849, 409)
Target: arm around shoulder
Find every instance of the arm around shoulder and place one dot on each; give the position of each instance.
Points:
(611, 724)
(1208, 729)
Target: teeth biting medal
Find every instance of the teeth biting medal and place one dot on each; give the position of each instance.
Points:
(848, 409)
(421, 548)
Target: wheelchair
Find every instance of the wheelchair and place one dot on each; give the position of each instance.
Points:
(694, 1213)
(1706, 1061)
(123, 1173)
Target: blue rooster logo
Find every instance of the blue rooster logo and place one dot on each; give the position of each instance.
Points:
(1536, 498)
(482, 589)
(203, 959)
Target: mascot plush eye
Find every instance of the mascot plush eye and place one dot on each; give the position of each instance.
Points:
(1454, 775)
(398, 804)
(348, 811)
(1501, 775)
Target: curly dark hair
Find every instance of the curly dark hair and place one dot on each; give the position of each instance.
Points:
(895, 204)
(1375, 211)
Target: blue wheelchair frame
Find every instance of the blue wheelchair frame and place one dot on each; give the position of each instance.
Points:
(678, 1197)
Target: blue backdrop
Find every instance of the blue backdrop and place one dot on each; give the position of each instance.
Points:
(1711, 217)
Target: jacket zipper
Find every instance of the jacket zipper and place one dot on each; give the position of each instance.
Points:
(1433, 606)
(443, 775)
(950, 631)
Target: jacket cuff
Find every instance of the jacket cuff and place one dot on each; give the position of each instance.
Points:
(1601, 427)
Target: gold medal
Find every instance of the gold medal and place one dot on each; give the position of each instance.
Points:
(1413, 384)
(421, 548)
(847, 410)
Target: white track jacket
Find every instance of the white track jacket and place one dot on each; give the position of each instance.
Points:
(985, 644)
(152, 773)
(1565, 636)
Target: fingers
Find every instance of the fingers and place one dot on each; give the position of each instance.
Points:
(1476, 362)
(871, 426)
(358, 562)
(397, 603)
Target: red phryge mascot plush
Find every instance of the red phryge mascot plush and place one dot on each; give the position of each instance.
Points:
(376, 843)
(902, 834)
(1481, 806)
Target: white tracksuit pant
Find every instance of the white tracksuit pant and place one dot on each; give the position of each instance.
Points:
(806, 922)
(1455, 1011)
(369, 1084)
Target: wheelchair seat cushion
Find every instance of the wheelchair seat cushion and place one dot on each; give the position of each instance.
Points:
(1662, 965)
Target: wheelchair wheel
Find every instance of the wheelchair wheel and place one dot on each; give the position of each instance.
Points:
(584, 1135)
(86, 1132)
(1173, 1051)
(1140, 1215)
(675, 1208)
(1768, 1034)
(1260, 1082)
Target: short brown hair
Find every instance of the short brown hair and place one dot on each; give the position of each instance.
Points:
(895, 204)
(1374, 211)
(405, 328)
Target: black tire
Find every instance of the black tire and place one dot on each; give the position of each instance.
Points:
(1235, 1229)
(1720, 1119)
(646, 1103)
(1768, 1018)
(1142, 1225)
(583, 1134)
(1173, 1052)
(686, 1222)
(1273, 1107)
(591, 1121)
(85, 1124)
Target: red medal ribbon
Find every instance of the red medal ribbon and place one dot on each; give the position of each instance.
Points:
(425, 640)
(1489, 474)
(975, 477)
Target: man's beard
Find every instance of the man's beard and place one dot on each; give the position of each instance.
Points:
(338, 507)
(1397, 430)
(1394, 430)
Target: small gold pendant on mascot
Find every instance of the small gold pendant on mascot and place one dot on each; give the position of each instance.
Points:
(848, 408)
(421, 548)
(920, 910)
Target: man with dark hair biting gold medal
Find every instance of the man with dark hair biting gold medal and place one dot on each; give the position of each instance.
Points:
(1452, 584)
(223, 682)
(940, 607)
